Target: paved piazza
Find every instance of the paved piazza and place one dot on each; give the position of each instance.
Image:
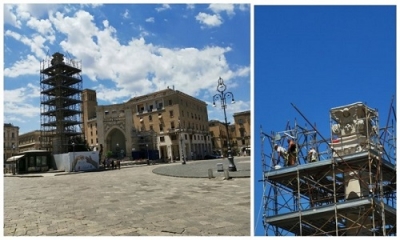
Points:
(128, 202)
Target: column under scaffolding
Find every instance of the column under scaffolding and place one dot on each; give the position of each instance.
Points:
(60, 112)
(341, 186)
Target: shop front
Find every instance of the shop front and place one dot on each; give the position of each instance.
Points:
(29, 161)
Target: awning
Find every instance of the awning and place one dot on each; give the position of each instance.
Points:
(15, 158)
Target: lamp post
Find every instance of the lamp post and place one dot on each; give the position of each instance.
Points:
(13, 149)
(148, 157)
(222, 95)
(117, 150)
(181, 139)
(183, 155)
(73, 152)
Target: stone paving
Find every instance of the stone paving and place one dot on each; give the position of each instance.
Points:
(132, 201)
(199, 169)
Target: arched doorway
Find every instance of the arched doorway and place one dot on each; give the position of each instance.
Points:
(116, 143)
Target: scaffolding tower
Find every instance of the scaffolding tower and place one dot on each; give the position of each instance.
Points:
(347, 188)
(60, 112)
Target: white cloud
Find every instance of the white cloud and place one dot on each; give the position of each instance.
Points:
(123, 70)
(243, 7)
(215, 20)
(126, 14)
(93, 5)
(44, 27)
(27, 66)
(26, 11)
(190, 6)
(35, 42)
(150, 19)
(209, 20)
(10, 17)
(220, 7)
(19, 102)
(163, 7)
(216, 112)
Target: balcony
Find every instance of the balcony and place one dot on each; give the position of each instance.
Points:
(150, 110)
(173, 130)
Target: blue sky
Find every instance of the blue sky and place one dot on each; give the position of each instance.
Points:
(127, 50)
(318, 57)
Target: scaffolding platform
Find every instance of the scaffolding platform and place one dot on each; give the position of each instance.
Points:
(350, 190)
(308, 222)
(61, 114)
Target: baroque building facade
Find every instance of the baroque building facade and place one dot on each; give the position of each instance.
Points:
(239, 134)
(243, 132)
(11, 146)
(29, 141)
(166, 124)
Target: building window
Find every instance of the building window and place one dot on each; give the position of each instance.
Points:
(140, 108)
(162, 139)
(151, 128)
(173, 137)
(185, 136)
(170, 102)
(31, 161)
(91, 141)
(172, 125)
(150, 118)
(171, 113)
(161, 128)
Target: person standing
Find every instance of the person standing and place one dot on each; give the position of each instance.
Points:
(312, 155)
(282, 152)
(292, 152)
(100, 154)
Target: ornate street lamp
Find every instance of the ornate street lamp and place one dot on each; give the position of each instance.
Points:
(73, 152)
(148, 156)
(13, 149)
(181, 139)
(117, 150)
(183, 155)
(222, 95)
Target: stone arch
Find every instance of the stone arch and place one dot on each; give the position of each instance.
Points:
(115, 141)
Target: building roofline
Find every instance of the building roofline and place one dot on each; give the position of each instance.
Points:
(241, 113)
(31, 132)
